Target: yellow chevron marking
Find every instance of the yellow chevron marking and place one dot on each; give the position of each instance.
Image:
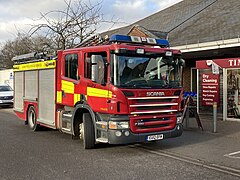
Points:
(77, 98)
(59, 96)
(68, 87)
(99, 92)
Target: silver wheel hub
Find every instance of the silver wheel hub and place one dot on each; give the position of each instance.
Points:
(81, 127)
(31, 118)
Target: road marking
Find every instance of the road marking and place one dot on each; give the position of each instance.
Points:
(197, 162)
(233, 155)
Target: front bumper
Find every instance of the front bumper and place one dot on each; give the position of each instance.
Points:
(136, 138)
(6, 103)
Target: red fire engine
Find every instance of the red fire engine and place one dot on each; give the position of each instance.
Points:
(126, 91)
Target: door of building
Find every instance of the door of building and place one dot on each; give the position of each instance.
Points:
(232, 94)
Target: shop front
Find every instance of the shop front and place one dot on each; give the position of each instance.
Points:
(219, 81)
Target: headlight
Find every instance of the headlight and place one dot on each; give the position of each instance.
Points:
(179, 119)
(118, 125)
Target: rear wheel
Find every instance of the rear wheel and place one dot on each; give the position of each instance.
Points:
(87, 132)
(32, 120)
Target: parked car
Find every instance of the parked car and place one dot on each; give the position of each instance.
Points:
(6, 95)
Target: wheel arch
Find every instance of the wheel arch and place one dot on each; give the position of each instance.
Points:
(78, 112)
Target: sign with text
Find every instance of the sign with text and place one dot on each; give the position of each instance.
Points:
(210, 89)
(223, 63)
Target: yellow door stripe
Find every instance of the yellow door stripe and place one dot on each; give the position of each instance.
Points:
(99, 92)
(77, 98)
(59, 96)
(68, 87)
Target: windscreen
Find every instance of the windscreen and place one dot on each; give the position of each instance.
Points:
(5, 88)
(146, 71)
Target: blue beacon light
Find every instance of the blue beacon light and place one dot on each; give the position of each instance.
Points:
(135, 39)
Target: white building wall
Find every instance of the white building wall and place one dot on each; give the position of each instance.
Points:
(6, 77)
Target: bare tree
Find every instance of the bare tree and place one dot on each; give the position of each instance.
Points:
(22, 44)
(58, 29)
(70, 26)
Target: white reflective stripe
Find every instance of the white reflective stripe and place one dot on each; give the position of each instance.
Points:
(102, 140)
(145, 105)
(67, 115)
(148, 112)
(162, 97)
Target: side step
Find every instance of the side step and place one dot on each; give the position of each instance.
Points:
(66, 122)
(67, 117)
(66, 130)
(102, 140)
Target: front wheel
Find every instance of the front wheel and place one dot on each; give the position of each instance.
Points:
(32, 120)
(87, 132)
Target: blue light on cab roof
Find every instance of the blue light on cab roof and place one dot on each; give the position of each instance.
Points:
(162, 42)
(128, 39)
(120, 38)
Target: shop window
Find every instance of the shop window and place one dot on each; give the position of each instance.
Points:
(233, 95)
(71, 66)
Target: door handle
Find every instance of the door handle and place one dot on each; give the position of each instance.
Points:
(63, 94)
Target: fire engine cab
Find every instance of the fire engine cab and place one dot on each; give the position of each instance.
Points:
(127, 90)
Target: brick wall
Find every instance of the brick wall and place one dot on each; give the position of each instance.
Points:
(136, 32)
(187, 79)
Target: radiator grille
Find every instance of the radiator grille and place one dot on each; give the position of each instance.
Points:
(6, 98)
(150, 114)
(148, 105)
(144, 124)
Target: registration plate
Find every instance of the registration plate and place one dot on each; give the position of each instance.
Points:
(155, 137)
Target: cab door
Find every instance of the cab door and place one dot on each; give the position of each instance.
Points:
(97, 92)
(69, 77)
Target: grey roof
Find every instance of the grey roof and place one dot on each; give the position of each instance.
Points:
(193, 21)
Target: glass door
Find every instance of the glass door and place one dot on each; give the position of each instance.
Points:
(233, 94)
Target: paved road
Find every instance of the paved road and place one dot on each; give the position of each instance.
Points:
(49, 154)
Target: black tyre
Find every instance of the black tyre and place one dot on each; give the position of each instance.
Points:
(87, 132)
(32, 120)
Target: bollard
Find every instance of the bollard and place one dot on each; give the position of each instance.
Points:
(187, 117)
(215, 117)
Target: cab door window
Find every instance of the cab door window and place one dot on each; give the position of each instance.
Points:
(71, 66)
(95, 66)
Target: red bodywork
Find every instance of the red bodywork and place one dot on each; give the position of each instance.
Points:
(118, 103)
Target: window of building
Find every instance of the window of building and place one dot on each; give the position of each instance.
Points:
(71, 66)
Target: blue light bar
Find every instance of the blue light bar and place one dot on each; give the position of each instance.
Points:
(139, 40)
(120, 38)
(163, 42)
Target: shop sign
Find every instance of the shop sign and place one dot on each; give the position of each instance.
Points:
(210, 89)
(228, 63)
(223, 63)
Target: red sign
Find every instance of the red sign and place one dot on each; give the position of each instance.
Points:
(210, 89)
(223, 63)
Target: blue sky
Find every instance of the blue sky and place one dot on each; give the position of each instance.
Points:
(17, 15)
